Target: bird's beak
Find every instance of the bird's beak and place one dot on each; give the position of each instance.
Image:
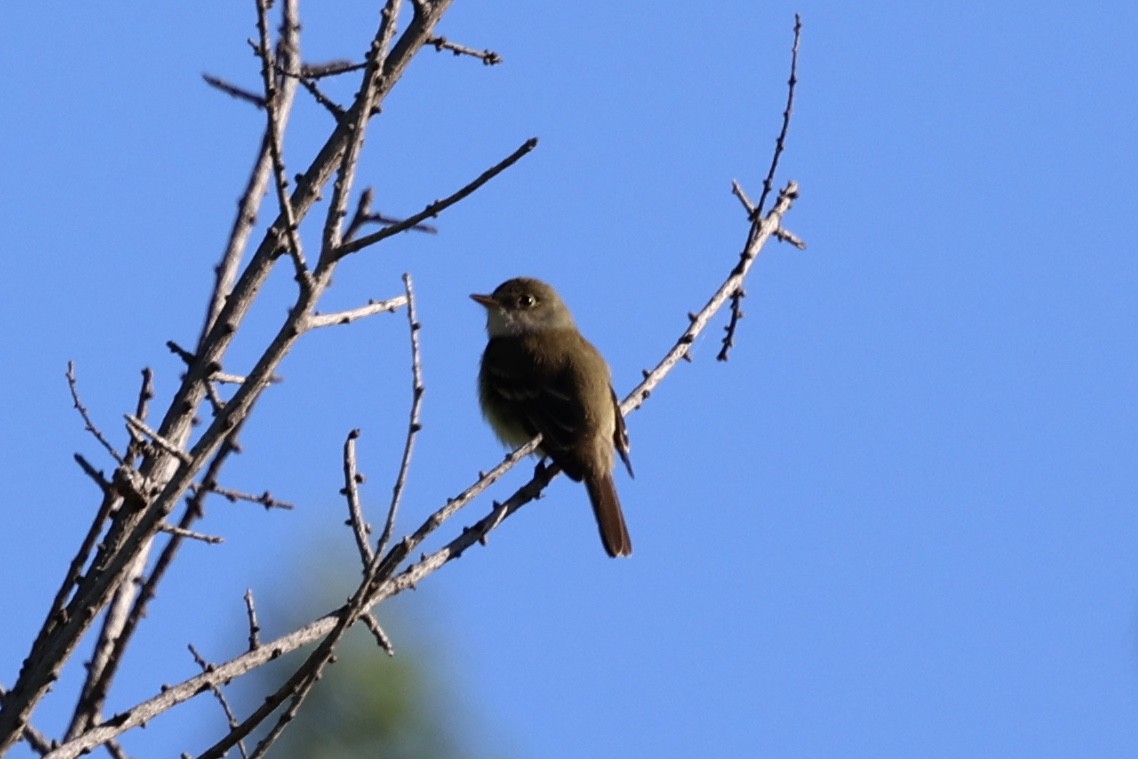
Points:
(484, 300)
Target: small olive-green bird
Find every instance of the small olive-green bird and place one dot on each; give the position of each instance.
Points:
(539, 375)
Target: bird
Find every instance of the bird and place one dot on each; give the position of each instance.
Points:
(539, 375)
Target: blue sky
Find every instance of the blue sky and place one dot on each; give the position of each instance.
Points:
(901, 520)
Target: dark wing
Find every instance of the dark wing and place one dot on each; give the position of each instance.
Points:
(539, 396)
(620, 435)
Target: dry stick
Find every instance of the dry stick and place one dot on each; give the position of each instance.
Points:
(297, 688)
(117, 627)
(265, 499)
(361, 530)
(381, 638)
(351, 491)
(39, 742)
(72, 385)
(60, 633)
(755, 211)
(488, 57)
(413, 427)
(116, 751)
(230, 717)
(97, 686)
(780, 142)
(233, 90)
(93, 694)
(140, 427)
(347, 317)
(364, 215)
(96, 476)
(141, 409)
(254, 625)
(182, 532)
(349, 159)
(109, 502)
(143, 712)
(274, 125)
(434, 209)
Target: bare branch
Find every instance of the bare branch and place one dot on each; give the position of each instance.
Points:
(97, 476)
(230, 717)
(414, 426)
(136, 425)
(738, 191)
(265, 499)
(73, 385)
(381, 637)
(141, 409)
(351, 491)
(233, 90)
(163, 476)
(785, 235)
(329, 105)
(434, 209)
(274, 129)
(754, 212)
(366, 103)
(39, 742)
(488, 57)
(780, 142)
(254, 626)
(365, 215)
(190, 534)
(347, 317)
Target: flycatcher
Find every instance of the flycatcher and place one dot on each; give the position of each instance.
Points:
(540, 375)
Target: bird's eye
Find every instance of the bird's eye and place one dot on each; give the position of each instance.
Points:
(526, 301)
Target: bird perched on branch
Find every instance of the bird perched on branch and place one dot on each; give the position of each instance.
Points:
(539, 375)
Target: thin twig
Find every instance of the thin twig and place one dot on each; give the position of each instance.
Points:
(738, 191)
(233, 90)
(347, 317)
(274, 129)
(230, 717)
(365, 215)
(73, 385)
(330, 105)
(378, 632)
(141, 409)
(434, 209)
(329, 68)
(351, 491)
(190, 534)
(414, 426)
(88, 469)
(785, 235)
(136, 425)
(780, 143)
(365, 104)
(187, 357)
(265, 499)
(39, 742)
(254, 625)
(488, 57)
(755, 211)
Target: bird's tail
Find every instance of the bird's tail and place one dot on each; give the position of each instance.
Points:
(610, 520)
